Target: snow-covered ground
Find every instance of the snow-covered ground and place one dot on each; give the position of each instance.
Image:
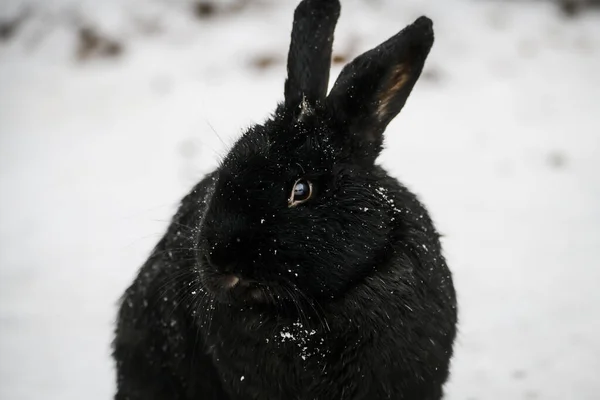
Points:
(501, 138)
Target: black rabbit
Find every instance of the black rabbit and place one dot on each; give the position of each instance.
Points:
(299, 269)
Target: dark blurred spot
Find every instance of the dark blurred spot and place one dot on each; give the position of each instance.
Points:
(339, 58)
(264, 62)
(113, 49)
(531, 395)
(572, 8)
(519, 374)
(204, 9)
(431, 74)
(9, 27)
(557, 160)
(569, 7)
(91, 44)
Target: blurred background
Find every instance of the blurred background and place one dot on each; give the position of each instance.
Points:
(111, 110)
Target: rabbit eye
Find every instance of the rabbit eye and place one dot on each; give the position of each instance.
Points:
(301, 192)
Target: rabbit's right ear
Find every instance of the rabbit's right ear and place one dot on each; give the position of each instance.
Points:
(309, 57)
(374, 87)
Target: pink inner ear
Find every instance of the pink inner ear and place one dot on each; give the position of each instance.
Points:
(398, 78)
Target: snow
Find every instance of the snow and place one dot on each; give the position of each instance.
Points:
(296, 333)
(286, 335)
(500, 139)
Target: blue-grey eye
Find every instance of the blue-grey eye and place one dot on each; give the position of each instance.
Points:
(301, 192)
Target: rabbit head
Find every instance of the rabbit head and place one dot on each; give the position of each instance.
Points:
(298, 204)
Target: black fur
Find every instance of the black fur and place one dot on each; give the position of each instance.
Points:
(346, 296)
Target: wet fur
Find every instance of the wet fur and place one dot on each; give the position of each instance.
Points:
(356, 299)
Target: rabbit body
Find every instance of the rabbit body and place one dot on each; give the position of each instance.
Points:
(299, 269)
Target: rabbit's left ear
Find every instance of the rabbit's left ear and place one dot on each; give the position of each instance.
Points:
(374, 87)
(309, 57)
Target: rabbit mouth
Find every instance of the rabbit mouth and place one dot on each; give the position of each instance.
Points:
(233, 288)
(229, 286)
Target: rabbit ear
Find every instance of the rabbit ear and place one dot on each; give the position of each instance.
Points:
(309, 58)
(373, 88)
